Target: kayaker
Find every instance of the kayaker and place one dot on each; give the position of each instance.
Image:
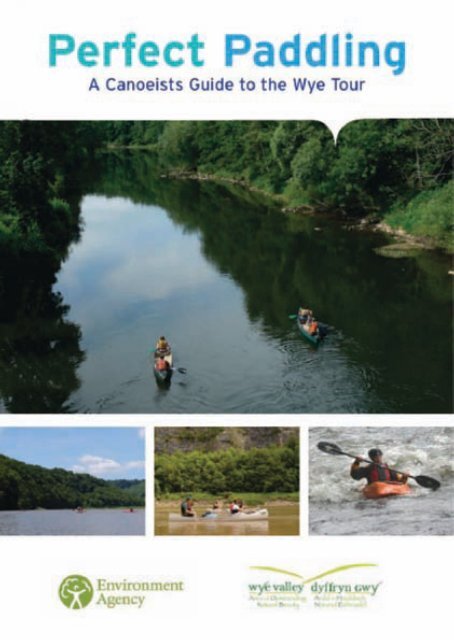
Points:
(162, 364)
(162, 345)
(187, 508)
(376, 471)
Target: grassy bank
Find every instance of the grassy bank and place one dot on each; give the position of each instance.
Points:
(429, 216)
(425, 221)
(249, 499)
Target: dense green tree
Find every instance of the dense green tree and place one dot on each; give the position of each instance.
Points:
(262, 470)
(25, 486)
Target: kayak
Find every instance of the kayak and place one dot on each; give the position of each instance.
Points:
(243, 516)
(384, 489)
(165, 374)
(313, 339)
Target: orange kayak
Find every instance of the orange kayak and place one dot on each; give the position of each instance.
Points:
(383, 489)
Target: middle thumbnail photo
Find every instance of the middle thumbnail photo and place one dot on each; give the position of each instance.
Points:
(227, 481)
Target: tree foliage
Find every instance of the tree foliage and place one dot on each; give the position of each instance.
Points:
(230, 470)
(26, 486)
(374, 164)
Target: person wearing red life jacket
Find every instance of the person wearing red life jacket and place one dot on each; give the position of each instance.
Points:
(162, 364)
(235, 507)
(376, 471)
(313, 328)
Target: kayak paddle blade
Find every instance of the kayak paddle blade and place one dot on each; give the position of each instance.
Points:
(427, 482)
(328, 447)
(182, 370)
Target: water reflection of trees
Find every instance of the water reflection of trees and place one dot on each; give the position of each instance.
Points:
(278, 262)
(282, 262)
(39, 347)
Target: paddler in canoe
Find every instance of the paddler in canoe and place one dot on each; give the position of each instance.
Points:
(377, 471)
(187, 508)
(235, 507)
(161, 364)
(215, 509)
(162, 346)
(163, 360)
(309, 326)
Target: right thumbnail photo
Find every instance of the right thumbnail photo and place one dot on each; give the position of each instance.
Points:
(381, 481)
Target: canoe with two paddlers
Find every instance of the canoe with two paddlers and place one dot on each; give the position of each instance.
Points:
(309, 327)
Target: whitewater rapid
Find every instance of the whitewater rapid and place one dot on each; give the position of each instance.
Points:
(336, 504)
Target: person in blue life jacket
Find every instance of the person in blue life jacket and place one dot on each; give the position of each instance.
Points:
(376, 471)
(187, 508)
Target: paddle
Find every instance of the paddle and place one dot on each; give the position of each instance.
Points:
(333, 449)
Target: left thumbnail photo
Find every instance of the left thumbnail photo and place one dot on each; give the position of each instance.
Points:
(72, 481)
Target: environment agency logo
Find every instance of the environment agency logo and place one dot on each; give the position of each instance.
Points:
(76, 592)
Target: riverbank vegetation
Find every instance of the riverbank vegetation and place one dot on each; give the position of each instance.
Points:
(249, 499)
(429, 215)
(39, 211)
(267, 470)
(26, 486)
(392, 170)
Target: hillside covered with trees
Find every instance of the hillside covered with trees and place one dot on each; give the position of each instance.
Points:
(221, 461)
(26, 486)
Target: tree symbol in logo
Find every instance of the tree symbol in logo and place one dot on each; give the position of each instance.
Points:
(76, 592)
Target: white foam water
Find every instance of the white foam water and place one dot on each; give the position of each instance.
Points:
(337, 506)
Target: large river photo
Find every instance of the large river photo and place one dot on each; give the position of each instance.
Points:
(220, 271)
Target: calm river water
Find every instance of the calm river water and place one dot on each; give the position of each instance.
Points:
(218, 271)
(283, 521)
(65, 522)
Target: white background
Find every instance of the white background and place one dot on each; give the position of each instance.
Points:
(30, 89)
(417, 590)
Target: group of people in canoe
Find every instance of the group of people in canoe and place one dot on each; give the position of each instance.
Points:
(187, 508)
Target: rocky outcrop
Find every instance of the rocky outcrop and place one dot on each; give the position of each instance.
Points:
(172, 439)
